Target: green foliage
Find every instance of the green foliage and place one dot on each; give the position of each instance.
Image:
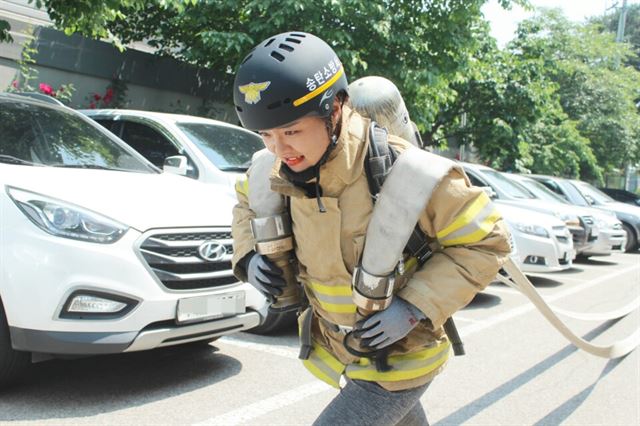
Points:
(5, 37)
(421, 45)
(631, 32)
(27, 74)
(595, 91)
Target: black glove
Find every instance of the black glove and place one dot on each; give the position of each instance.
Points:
(265, 276)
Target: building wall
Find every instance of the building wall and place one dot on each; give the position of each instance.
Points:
(153, 83)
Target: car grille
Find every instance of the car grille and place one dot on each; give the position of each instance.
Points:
(174, 258)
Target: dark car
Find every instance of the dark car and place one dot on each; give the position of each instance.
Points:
(622, 195)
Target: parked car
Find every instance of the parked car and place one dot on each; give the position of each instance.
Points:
(101, 252)
(542, 241)
(606, 234)
(622, 195)
(505, 191)
(206, 150)
(211, 151)
(583, 194)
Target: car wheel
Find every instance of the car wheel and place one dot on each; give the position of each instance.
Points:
(632, 240)
(274, 322)
(12, 363)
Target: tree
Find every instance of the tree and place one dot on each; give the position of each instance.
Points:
(632, 29)
(421, 45)
(595, 88)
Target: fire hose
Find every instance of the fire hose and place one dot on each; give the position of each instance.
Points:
(518, 281)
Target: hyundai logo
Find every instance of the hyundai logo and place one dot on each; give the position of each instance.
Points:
(212, 251)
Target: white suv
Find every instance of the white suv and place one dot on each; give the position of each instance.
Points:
(99, 251)
(203, 149)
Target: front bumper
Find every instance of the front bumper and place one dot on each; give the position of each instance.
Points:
(153, 336)
(540, 254)
(607, 242)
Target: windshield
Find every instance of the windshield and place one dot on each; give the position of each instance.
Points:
(588, 190)
(540, 191)
(229, 149)
(40, 135)
(513, 189)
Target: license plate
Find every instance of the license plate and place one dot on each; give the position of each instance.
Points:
(202, 308)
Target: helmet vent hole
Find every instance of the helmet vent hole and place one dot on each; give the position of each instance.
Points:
(293, 40)
(238, 108)
(277, 55)
(246, 59)
(269, 42)
(287, 101)
(297, 35)
(274, 105)
(286, 47)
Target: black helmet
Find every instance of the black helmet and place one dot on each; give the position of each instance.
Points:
(286, 77)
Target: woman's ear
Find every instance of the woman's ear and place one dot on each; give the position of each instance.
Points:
(336, 112)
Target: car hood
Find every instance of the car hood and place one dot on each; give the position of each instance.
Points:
(558, 210)
(621, 208)
(520, 214)
(139, 200)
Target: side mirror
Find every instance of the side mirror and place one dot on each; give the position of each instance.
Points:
(176, 164)
(490, 192)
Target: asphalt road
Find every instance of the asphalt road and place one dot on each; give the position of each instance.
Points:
(518, 370)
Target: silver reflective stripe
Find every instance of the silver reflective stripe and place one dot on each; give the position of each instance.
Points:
(479, 221)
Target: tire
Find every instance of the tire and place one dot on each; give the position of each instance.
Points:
(12, 363)
(632, 239)
(274, 323)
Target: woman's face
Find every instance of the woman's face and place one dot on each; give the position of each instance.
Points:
(302, 143)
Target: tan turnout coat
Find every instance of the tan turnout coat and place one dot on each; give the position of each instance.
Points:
(469, 248)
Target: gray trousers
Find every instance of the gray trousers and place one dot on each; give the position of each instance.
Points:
(368, 404)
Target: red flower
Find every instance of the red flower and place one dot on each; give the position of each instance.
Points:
(46, 89)
(108, 96)
(92, 105)
(15, 84)
(97, 97)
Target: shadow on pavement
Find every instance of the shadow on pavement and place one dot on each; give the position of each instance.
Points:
(483, 301)
(561, 413)
(475, 407)
(573, 270)
(594, 261)
(86, 387)
(538, 281)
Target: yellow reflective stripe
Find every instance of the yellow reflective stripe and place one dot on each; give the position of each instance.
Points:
(466, 216)
(320, 374)
(337, 308)
(367, 371)
(320, 89)
(410, 263)
(331, 290)
(485, 227)
(328, 359)
(324, 366)
(242, 185)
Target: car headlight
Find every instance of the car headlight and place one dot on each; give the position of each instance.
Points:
(532, 229)
(66, 220)
(570, 219)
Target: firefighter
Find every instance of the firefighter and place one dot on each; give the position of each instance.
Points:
(292, 89)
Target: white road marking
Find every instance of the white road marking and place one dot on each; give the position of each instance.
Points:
(249, 412)
(463, 319)
(521, 310)
(500, 289)
(282, 351)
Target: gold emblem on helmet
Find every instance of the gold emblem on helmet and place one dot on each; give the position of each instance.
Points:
(252, 91)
